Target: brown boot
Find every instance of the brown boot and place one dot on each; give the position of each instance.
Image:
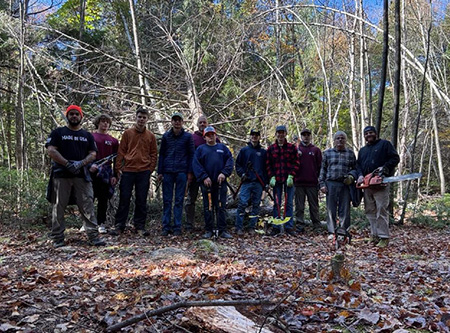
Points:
(384, 242)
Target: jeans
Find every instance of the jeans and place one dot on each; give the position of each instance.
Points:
(338, 203)
(218, 203)
(249, 191)
(171, 181)
(288, 204)
(141, 183)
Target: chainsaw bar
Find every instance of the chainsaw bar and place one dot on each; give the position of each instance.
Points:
(409, 176)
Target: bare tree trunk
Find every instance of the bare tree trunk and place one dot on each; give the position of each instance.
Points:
(362, 74)
(384, 64)
(351, 93)
(397, 73)
(437, 143)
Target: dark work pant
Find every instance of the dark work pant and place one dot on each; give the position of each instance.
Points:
(312, 194)
(338, 204)
(101, 192)
(171, 182)
(217, 206)
(141, 183)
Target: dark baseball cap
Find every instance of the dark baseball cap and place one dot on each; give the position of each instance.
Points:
(255, 132)
(281, 128)
(305, 130)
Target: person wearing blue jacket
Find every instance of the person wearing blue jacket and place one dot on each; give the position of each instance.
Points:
(250, 163)
(213, 163)
(175, 171)
(379, 155)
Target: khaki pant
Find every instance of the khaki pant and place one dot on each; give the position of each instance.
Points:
(84, 197)
(376, 202)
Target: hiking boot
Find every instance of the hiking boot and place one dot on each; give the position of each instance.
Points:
(374, 240)
(98, 242)
(239, 232)
(274, 232)
(225, 234)
(291, 232)
(143, 233)
(59, 243)
(115, 232)
(300, 229)
(177, 233)
(165, 233)
(208, 234)
(102, 230)
(384, 242)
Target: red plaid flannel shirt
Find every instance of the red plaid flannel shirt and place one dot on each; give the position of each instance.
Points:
(282, 161)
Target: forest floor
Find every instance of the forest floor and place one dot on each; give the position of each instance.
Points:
(79, 288)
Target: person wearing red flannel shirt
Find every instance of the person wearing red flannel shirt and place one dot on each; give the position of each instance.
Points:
(282, 165)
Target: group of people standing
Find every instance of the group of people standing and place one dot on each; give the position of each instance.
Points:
(189, 162)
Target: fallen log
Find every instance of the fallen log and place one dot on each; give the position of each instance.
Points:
(185, 304)
(221, 319)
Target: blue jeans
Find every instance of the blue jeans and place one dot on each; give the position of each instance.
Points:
(141, 183)
(288, 203)
(217, 207)
(249, 191)
(171, 181)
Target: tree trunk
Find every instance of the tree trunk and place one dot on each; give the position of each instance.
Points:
(384, 64)
(438, 145)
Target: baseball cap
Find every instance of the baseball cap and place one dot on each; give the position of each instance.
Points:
(369, 128)
(74, 107)
(305, 130)
(209, 129)
(281, 128)
(177, 114)
(254, 131)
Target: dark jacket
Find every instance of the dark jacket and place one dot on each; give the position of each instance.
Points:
(176, 152)
(310, 158)
(210, 161)
(257, 157)
(379, 154)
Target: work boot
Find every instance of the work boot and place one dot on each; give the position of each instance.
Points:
(239, 232)
(384, 242)
(225, 234)
(374, 240)
(177, 233)
(116, 232)
(291, 232)
(208, 234)
(165, 233)
(143, 233)
(274, 232)
(58, 243)
(97, 242)
(102, 230)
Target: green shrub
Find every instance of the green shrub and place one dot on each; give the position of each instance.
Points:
(22, 195)
(434, 213)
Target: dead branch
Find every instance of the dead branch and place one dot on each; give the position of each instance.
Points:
(185, 304)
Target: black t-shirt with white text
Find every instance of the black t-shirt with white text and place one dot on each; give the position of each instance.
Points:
(73, 146)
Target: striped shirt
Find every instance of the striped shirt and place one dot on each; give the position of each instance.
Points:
(336, 164)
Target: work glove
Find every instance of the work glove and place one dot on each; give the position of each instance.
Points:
(348, 180)
(290, 181)
(244, 177)
(74, 166)
(273, 182)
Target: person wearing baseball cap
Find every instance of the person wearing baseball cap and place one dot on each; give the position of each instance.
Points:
(379, 155)
(213, 163)
(194, 185)
(251, 167)
(175, 171)
(71, 149)
(306, 181)
(282, 166)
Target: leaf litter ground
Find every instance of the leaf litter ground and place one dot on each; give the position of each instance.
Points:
(79, 288)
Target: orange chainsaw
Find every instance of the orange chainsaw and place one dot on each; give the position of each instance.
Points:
(375, 179)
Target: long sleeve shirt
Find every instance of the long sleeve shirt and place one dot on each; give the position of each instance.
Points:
(379, 154)
(176, 152)
(210, 161)
(137, 151)
(310, 158)
(336, 164)
(282, 161)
